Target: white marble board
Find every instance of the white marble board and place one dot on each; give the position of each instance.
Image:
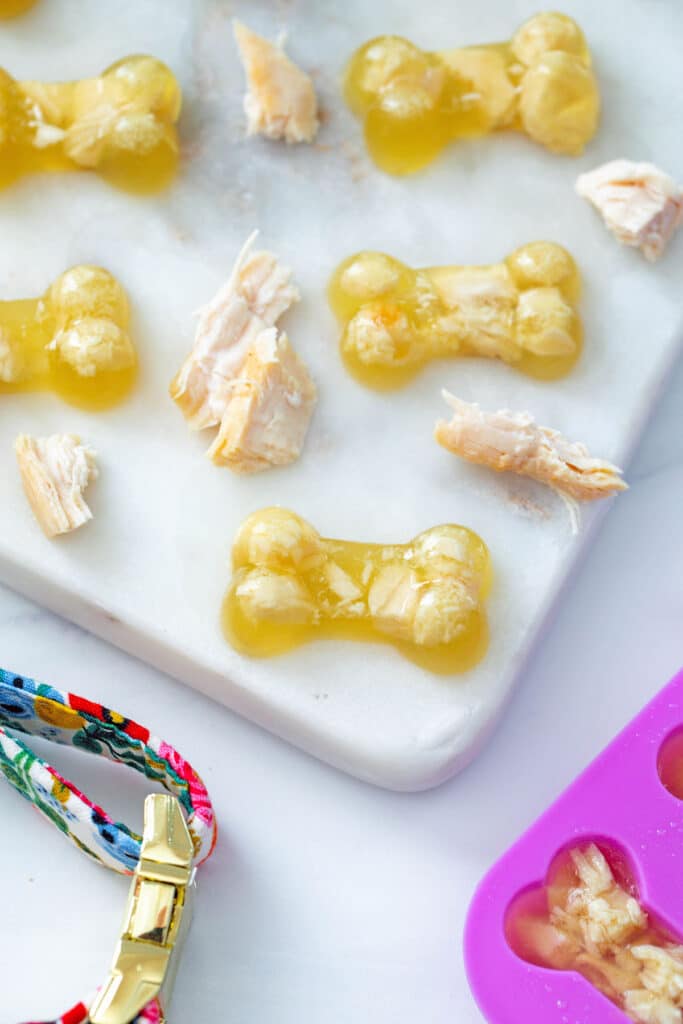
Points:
(150, 571)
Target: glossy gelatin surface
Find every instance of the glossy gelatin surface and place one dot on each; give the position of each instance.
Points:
(72, 340)
(413, 103)
(11, 8)
(588, 918)
(291, 585)
(395, 319)
(120, 124)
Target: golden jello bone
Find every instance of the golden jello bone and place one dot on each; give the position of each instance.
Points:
(291, 585)
(55, 472)
(11, 8)
(72, 340)
(641, 205)
(514, 443)
(280, 101)
(395, 319)
(242, 375)
(591, 922)
(414, 102)
(120, 123)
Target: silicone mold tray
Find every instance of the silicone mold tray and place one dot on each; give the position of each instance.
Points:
(619, 801)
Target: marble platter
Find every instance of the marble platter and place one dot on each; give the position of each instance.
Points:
(150, 572)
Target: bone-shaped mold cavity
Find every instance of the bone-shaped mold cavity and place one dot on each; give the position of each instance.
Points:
(670, 763)
(413, 103)
(425, 597)
(581, 918)
(395, 319)
(120, 123)
(588, 917)
(72, 340)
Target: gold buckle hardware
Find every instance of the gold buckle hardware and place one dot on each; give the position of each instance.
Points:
(146, 956)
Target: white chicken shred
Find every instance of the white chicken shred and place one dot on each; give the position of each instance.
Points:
(641, 205)
(266, 420)
(55, 472)
(280, 102)
(242, 375)
(513, 442)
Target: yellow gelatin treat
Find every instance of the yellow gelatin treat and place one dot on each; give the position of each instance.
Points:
(11, 8)
(426, 597)
(72, 340)
(413, 103)
(395, 319)
(121, 124)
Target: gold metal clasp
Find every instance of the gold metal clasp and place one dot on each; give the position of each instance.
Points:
(157, 917)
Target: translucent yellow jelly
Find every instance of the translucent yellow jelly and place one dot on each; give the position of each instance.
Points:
(10, 8)
(426, 597)
(595, 925)
(396, 319)
(72, 340)
(414, 103)
(121, 124)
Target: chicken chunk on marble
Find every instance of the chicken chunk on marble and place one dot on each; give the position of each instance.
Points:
(640, 204)
(242, 374)
(266, 421)
(280, 102)
(55, 472)
(513, 442)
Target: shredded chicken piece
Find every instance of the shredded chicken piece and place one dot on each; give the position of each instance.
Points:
(280, 102)
(55, 472)
(94, 345)
(648, 1008)
(598, 912)
(266, 421)
(640, 204)
(275, 596)
(662, 969)
(255, 296)
(242, 375)
(513, 442)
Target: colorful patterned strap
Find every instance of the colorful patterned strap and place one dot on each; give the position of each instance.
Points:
(151, 1014)
(39, 710)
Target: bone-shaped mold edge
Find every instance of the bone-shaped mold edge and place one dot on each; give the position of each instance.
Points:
(618, 799)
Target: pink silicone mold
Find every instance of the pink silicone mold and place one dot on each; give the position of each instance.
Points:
(628, 801)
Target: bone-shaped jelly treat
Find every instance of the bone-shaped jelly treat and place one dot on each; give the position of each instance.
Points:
(522, 310)
(11, 8)
(582, 917)
(72, 340)
(414, 103)
(425, 597)
(121, 123)
(587, 919)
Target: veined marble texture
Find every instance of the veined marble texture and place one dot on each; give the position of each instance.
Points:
(150, 572)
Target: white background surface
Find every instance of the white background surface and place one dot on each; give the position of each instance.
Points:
(327, 900)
